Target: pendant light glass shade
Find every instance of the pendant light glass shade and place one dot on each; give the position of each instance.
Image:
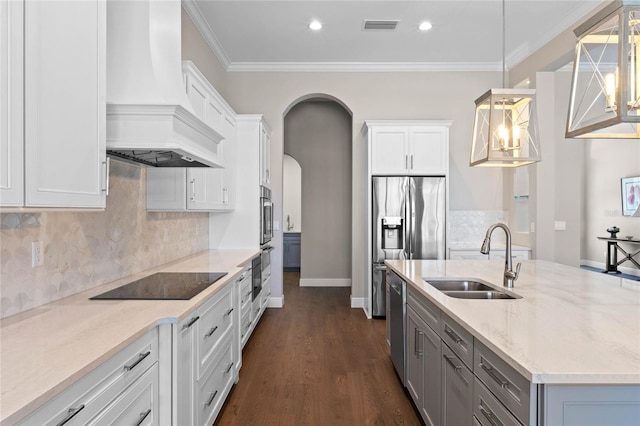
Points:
(605, 86)
(505, 131)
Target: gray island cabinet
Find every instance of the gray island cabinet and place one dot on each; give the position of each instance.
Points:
(494, 362)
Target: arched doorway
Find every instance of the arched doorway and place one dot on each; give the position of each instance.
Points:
(318, 135)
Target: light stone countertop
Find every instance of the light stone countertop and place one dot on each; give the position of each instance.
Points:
(571, 326)
(46, 349)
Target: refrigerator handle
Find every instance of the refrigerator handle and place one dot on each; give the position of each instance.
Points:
(407, 220)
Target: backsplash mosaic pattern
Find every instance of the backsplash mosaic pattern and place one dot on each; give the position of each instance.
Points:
(86, 249)
(468, 227)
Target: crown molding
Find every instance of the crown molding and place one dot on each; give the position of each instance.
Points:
(522, 52)
(194, 12)
(581, 11)
(362, 66)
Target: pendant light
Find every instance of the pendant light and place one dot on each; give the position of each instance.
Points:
(505, 132)
(605, 86)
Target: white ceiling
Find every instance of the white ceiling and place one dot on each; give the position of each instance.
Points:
(466, 35)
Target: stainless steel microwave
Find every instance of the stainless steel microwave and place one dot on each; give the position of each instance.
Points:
(266, 215)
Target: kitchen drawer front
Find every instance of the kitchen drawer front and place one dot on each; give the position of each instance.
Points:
(215, 320)
(515, 255)
(488, 410)
(504, 382)
(138, 405)
(467, 255)
(245, 326)
(266, 292)
(458, 339)
(214, 387)
(425, 309)
(245, 292)
(92, 393)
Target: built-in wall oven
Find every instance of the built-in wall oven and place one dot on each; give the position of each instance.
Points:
(266, 216)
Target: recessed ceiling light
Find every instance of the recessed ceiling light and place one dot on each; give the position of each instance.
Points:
(425, 26)
(315, 25)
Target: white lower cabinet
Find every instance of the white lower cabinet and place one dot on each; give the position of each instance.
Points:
(123, 390)
(204, 339)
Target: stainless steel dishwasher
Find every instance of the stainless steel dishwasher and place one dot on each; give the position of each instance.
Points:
(397, 296)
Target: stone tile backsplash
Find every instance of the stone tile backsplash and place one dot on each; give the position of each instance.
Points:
(468, 227)
(86, 249)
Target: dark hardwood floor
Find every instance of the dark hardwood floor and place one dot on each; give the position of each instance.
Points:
(317, 361)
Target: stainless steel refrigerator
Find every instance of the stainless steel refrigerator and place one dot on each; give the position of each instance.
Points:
(408, 220)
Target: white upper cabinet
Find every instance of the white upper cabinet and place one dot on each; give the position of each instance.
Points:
(62, 94)
(11, 101)
(409, 147)
(199, 188)
(265, 155)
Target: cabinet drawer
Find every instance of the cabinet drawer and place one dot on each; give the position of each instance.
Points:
(467, 255)
(138, 405)
(213, 388)
(95, 391)
(425, 309)
(515, 255)
(214, 323)
(503, 381)
(488, 410)
(245, 292)
(245, 326)
(458, 339)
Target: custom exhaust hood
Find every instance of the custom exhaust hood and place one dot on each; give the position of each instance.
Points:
(149, 117)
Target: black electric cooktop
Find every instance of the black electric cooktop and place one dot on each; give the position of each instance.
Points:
(164, 286)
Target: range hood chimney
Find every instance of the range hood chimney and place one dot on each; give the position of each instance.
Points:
(149, 117)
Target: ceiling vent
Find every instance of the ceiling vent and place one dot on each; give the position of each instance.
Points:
(371, 25)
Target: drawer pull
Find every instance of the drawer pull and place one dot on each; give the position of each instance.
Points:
(452, 334)
(211, 398)
(71, 414)
(193, 321)
(137, 361)
(249, 293)
(228, 312)
(228, 368)
(492, 372)
(143, 416)
(213, 330)
(490, 416)
(458, 368)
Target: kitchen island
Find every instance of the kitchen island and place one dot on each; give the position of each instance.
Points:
(571, 330)
(47, 349)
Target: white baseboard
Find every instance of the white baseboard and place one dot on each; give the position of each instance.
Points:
(357, 302)
(325, 282)
(603, 266)
(276, 302)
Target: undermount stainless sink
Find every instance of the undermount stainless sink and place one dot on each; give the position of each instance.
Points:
(459, 285)
(465, 288)
(479, 295)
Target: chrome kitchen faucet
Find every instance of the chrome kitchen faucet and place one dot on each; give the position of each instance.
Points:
(509, 275)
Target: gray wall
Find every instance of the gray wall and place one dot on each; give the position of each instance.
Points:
(318, 135)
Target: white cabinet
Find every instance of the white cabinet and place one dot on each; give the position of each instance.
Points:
(199, 188)
(123, 390)
(207, 352)
(408, 147)
(265, 155)
(54, 107)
